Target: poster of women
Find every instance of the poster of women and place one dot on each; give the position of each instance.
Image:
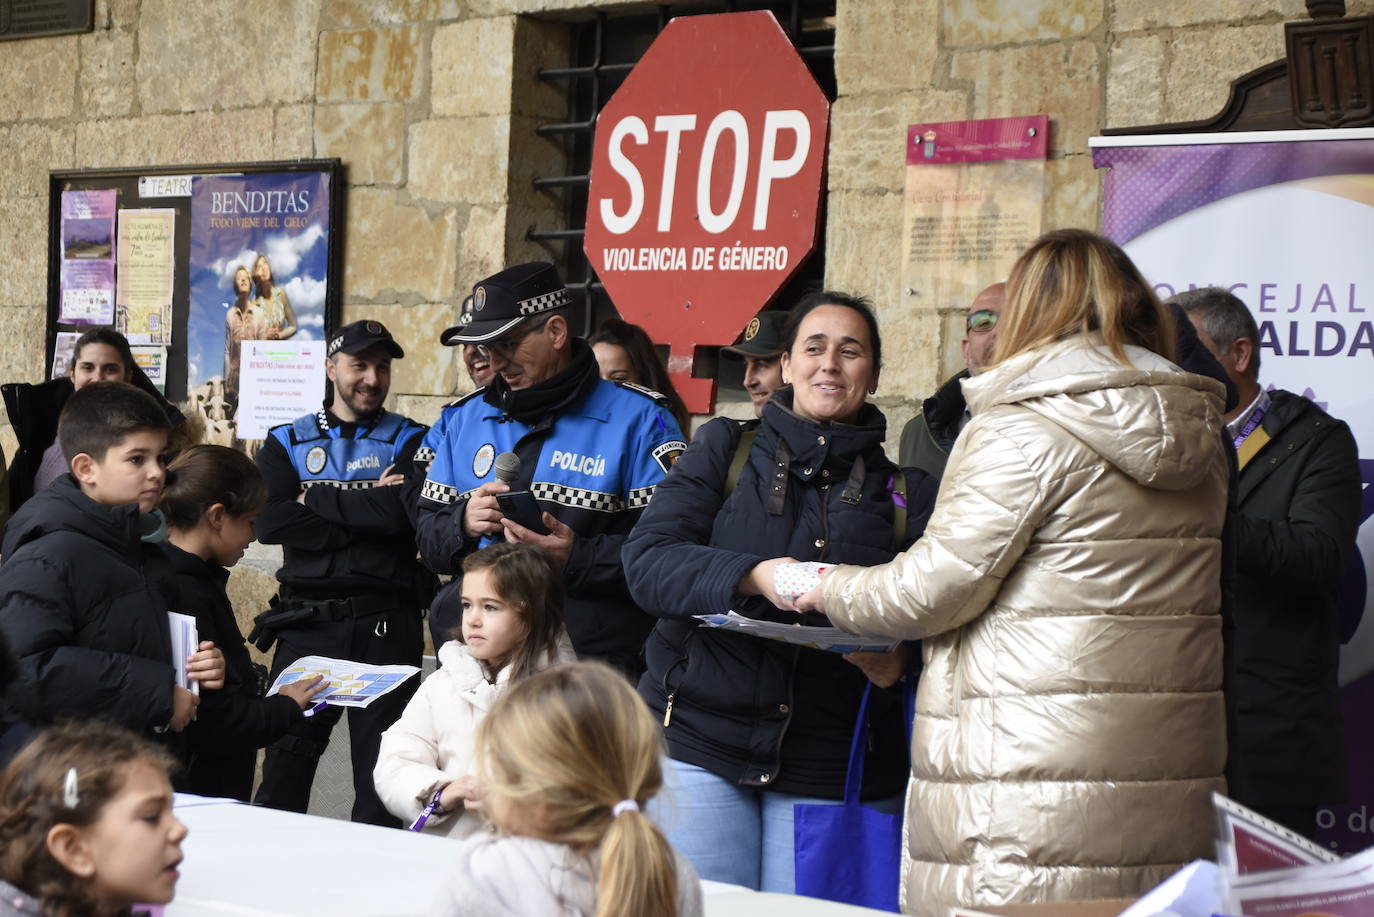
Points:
(259, 272)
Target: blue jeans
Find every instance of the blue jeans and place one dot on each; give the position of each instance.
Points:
(730, 833)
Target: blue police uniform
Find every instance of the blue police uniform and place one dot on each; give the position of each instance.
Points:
(592, 463)
(351, 585)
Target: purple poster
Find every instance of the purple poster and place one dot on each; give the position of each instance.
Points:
(1283, 220)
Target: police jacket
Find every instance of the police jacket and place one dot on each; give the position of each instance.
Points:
(1298, 508)
(592, 457)
(758, 712)
(90, 635)
(235, 721)
(349, 537)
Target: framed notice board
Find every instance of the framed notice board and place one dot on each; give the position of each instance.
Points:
(189, 262)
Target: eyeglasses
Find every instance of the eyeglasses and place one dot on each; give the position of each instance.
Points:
(508, 344)
(982, 320)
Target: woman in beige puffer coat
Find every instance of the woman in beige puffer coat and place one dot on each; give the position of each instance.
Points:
(1070, 727)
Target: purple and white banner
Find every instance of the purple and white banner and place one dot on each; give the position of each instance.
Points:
(1284, 220)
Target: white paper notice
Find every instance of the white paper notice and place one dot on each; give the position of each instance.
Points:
(278, 382)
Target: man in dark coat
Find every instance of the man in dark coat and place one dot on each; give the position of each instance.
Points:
(928, 437)
(1295, 518)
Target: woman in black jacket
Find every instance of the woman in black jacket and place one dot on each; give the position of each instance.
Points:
(754, 726)
(100, 355)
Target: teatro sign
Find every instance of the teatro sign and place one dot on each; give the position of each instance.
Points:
(705, 183)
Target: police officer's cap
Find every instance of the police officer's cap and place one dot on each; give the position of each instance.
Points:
(502, 301)
(762, 337)
(355, 337)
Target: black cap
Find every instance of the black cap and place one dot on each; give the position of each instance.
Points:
(355, 337)
(762, 337)
(504, 300)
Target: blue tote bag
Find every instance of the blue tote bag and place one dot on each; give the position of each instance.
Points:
(852, 853)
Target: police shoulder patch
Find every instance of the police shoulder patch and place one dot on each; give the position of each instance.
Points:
(667, 453)
(315, 460)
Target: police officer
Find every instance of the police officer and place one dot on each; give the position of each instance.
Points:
(351, 585)
(760, 347)
(591, 452)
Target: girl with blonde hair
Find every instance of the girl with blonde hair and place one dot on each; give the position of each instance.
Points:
(568, 758)
(1070, 726)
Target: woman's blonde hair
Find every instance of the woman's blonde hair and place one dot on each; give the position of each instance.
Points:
(1072, 281)
(557, 752)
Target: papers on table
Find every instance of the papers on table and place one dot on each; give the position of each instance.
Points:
(351, 684)
(185, 641)
(830, 639)
(1248, 842)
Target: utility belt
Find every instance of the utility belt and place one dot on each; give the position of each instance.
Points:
(284, 614)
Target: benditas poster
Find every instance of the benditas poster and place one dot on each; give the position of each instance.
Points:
(1283, 220)
(259, 271)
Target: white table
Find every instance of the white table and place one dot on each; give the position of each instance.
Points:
(251, 861)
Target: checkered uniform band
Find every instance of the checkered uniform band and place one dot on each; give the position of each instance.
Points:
(342, 485)
(424, 454)
(544, 302)
(639, 497)
(439, 493)
(576, 497)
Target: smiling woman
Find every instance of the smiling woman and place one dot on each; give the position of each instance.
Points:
(755, 727)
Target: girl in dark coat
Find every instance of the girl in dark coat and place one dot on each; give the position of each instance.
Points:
(212, 496)
(754, 726)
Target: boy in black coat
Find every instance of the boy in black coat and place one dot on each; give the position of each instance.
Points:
(91, 638)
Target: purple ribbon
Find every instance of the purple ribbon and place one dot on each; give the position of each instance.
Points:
(1250, 425)
(427, 811)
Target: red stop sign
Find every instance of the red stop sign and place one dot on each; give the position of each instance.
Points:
(705, 183)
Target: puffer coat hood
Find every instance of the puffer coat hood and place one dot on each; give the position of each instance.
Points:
(1145, 420)
(1070, 726)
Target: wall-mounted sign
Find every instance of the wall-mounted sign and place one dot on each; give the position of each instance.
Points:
(705, 183)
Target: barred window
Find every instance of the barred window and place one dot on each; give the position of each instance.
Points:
(604, 50)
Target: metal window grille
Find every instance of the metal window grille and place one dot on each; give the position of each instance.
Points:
(605, 49)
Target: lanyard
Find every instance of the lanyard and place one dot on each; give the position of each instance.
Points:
(427, 811)
(1249, 427)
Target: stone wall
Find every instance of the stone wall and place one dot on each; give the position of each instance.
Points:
(431, 104)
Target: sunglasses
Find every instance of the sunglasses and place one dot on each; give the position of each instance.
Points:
(982, 320)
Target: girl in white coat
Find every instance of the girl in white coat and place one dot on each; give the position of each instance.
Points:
(512, 601)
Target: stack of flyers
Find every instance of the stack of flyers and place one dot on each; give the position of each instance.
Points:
(1341, 889)
(1270, 871)
(1247, 842)
(185, 641)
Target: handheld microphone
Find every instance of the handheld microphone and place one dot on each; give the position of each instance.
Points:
(507, 466)
(520, 506)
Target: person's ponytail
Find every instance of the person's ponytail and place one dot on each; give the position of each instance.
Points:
(638, 872)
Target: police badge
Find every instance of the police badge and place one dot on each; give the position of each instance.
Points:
(315, 460)
(483, 460)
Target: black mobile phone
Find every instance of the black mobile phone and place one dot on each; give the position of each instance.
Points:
(520, 506)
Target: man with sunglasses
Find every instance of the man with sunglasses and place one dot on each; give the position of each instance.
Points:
(927, 439)
(591, 452)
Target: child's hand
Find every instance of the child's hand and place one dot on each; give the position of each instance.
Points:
(206, 666)
(183, 708)
(304, 691)
(461, 793)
